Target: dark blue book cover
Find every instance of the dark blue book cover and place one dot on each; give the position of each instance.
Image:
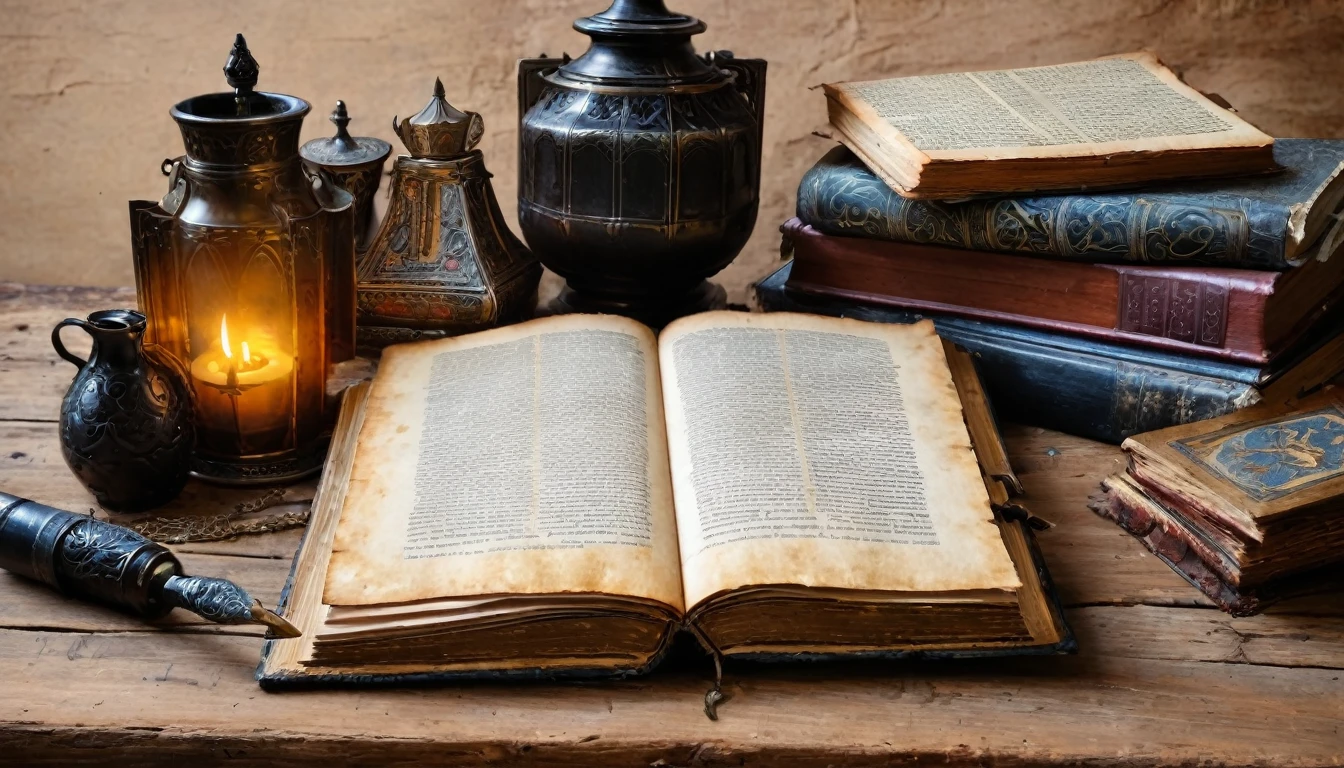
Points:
(1094, 389)
(1257, 222)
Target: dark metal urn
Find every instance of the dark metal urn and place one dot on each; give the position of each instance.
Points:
(639, 163)
(126, 428)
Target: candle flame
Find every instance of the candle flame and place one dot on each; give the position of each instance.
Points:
(247, 356)
(224, 336)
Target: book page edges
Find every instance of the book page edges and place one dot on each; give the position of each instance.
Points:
(1307, 217)
(1156, 447)
(301, 603)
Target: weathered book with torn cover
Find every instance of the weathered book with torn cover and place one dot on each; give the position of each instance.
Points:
(558, 498)
(1266, 221)
(1248, 507)
(1110, 122)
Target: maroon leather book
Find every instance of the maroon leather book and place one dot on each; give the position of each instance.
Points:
(1234, 314)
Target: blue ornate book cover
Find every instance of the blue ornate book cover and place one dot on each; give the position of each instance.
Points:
(1270, 460)
(1259, 222)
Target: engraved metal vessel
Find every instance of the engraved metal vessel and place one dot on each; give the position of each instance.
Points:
(444, 261)
(356, 162)
(639, 163)
(245, 270)
(126, 427)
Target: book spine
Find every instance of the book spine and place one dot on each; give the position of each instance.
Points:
(840, 197)
(1059, 386)
(1210, 312)
(1172, 549)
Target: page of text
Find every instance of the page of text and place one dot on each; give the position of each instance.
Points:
(529, 459)
(826, 453)
(1092, 102)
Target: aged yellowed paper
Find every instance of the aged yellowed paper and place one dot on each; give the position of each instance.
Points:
(524, 460)
(825, 453)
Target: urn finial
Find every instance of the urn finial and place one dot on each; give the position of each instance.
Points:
(440, 131)
(341, 119)
(241, 71)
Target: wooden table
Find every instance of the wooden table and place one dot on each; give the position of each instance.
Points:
(1161, 678)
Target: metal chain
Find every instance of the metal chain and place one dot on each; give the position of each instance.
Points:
(185, 528)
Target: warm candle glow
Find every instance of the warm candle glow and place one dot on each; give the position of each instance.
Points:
(224, 335)
(219, 368)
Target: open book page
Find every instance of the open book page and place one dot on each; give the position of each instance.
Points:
(526, 459)
(823, 452)
(1122, 103)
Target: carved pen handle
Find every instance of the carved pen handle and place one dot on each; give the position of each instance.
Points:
(106, 563)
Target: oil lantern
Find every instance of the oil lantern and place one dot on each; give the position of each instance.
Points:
(245, 270)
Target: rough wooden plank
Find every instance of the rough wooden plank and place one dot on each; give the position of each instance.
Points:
(103, 691)
(28, 605)
(1154, 683)
(1204, 634)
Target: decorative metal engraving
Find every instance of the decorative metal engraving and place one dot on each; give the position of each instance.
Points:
(218, 600)
(126, 423)
(639, 163)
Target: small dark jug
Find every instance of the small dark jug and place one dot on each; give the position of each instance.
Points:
(126, 428)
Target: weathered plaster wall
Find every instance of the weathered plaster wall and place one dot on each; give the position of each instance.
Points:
(85, 87)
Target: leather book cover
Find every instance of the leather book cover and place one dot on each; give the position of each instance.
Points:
(1254, 222)
(1260, 468)
(1241, 315)
(1087, 387)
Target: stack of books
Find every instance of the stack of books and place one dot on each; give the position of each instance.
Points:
(1120, 252)
(1247, 506)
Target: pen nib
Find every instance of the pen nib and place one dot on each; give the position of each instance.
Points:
(224, 602)
(276, 626)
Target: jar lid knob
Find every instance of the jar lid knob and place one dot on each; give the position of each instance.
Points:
(241, 71)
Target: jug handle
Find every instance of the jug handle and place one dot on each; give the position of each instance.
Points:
(66, 354)
(177, 185)
(531, 82)
(748, 79)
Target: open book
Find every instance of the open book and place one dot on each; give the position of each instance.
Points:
(1104, 123)
(559, 497)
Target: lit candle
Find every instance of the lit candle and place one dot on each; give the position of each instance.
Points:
(219, 369)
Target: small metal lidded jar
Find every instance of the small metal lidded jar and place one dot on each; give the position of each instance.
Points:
(444, 261)
(356, 162)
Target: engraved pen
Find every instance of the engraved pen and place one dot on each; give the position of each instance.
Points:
(106, 563)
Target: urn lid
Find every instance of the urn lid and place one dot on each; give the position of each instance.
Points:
(440, 131)
(343, 149)
(640, 43)
(244, 126)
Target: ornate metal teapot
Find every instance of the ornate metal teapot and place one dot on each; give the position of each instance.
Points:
(639, 163)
